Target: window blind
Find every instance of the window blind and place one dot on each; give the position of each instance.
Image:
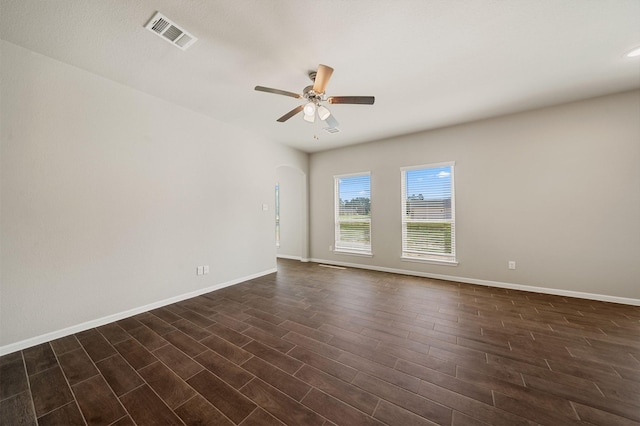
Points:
(428, 213)
(353, 213)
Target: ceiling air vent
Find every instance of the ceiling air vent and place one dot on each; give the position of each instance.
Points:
(169, 31)
(331, 129)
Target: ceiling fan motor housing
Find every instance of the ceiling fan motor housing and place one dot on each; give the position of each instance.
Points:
(309, 94)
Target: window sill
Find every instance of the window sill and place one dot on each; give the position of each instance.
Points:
(431, 261)
(353, 253)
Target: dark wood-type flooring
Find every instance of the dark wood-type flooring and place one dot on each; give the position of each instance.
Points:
(312, 345)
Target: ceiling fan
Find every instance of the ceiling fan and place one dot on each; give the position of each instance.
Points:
(314, 95)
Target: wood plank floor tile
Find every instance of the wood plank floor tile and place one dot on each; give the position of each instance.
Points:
(96, 346)
(423, 407)
(601, 418)
(225, 369)
(336, 410)
(259, 417)
(230, 322)
(267, 326)
(446, 381)
(313, 345)
(279, 405)
(178, 361)
(438, 364)
(148, 338)
(129, 324)
(390, 375)
(67, 415)
(367, 353)
(196, 332)
(39, 358)
(113, 333)
(166, 315)
(533, 397)
(229, 334)
(473, 408)
(65, 344)
(532, 411)
(145, 408)
(322, 363)
(197, 319)
(346, 392)
(585, 397)
(277, 378)
(13, 375)
(156, 324)
(199, 411)
(229, 401)
(124, 421)
(77, 366)
(17, 410)
(119, 374)
(185, 343)
(266, 316)
(268, 339)
(97, 402)
(135, 354)
(280, 360)
(169, 387)
(460, 419)
(49, 390)
(350, 336)
(391, 414)
(227, 349)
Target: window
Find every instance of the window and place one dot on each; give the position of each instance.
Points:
(428, 213)
(353, 213)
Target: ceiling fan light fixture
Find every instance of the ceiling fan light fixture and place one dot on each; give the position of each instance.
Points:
(309, 118)
(323, 112)
(309, 110)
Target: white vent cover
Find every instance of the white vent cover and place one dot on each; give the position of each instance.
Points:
(169, 31)
(331, 129)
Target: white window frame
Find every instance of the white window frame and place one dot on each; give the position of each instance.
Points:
(340, 247)
(437, 258)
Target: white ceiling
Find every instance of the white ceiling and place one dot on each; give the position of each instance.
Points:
(428, 63)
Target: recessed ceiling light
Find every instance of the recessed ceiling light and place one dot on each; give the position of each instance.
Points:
(635, 52)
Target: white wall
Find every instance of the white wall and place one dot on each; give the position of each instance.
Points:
(110, 198)
(293, 213)
(556, 189)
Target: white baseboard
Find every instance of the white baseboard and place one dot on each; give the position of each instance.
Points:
(27, 343)
(533, 289)
(287, 256)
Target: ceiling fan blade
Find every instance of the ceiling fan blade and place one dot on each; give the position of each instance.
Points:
(322, 78)
(332, 122)
(277, 92)
(360, 100)
(291, 113)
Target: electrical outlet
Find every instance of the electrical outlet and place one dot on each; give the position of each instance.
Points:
(206, 269)
(200, 270)
(512, 264)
